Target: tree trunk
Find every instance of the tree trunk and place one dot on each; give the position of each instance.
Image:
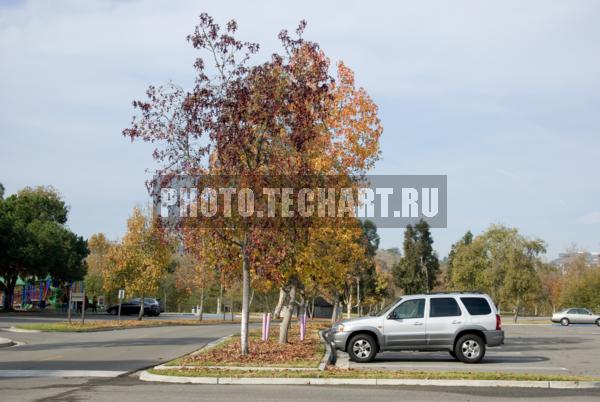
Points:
(358, 306)
(9, 293)
(220, 298)
(517, 308)
(231, 305)
(141, 313)
(245, 300)
(201, 308)
(349, 305)
(334, 310)
(279, 306)
(287, 315)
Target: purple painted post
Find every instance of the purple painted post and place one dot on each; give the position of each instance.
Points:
(302, 326)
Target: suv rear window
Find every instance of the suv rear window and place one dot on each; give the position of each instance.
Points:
(476, 305)
(444, 307)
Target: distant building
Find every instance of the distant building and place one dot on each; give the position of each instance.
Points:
(564, 258)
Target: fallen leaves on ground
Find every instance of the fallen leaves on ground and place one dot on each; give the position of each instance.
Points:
(261, 353)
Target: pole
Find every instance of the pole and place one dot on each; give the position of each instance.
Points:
(69, 306)
(83, 307)
(119, 316)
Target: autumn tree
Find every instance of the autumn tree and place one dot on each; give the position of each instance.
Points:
(140, 260)
(98, 263)
(286, 116)
(193, 275)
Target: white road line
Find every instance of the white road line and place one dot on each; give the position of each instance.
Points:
(59, 373)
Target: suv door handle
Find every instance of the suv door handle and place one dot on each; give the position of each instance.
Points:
(456, 322)
(418, 323)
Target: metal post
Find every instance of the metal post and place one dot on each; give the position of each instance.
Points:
(69, 306)
(83, 307)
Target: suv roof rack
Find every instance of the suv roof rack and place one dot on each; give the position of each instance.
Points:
(455, 292)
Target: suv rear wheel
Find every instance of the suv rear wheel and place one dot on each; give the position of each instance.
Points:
(564, 322)
(362, 348)
(598, 322)
(470, 348)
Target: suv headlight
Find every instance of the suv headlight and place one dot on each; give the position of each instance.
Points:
(338, 328)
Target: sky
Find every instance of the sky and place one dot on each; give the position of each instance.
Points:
(500, 96)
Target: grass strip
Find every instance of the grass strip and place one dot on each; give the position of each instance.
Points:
(108, 325)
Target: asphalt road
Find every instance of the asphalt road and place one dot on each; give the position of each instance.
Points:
(130, 389)
(124, 352)
(536, 348)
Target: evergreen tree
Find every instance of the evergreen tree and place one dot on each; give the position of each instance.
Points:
(417, 271)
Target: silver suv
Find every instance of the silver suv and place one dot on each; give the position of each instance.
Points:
(461, 323)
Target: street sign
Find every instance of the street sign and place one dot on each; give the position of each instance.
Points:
(121, 294)
(77, 296)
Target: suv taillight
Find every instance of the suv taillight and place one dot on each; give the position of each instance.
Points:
(498, 322)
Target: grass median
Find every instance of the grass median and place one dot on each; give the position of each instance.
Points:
(108, 325)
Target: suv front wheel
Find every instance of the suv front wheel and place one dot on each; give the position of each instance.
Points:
(362, 348)
(470, 348)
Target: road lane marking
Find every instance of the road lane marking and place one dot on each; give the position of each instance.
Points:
(60, 373)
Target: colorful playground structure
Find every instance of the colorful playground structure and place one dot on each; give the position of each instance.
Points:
(42, 294)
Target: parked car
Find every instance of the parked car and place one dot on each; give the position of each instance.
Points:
(151, 307)
(576, 316)
(463, 324)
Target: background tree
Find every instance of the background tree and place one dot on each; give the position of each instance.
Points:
(34, 241)
(466, 239)
(98, 263)
(194, 276)
(502, 263)
(140, 260)
(418, 268)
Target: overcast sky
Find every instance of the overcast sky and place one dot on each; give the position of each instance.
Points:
(503, 97)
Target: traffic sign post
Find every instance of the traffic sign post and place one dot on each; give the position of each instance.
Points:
(78, 297)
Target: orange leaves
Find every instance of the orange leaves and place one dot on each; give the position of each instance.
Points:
(353, 128)
(140, 260)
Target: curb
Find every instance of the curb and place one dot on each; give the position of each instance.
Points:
(146, 376)
(330, 353)
(15, 329)
(6, 343)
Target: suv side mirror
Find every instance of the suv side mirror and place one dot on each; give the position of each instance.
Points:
(392, 316)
